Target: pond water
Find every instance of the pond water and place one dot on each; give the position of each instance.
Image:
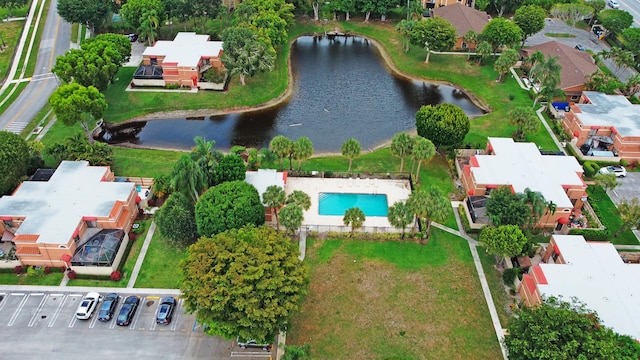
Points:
(342, 89)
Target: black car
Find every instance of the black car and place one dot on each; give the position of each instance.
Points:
(165, 312)
(109, 304)
(133, 37)
(253, 344)
(128, 309)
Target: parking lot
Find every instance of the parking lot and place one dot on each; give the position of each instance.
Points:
(43, 324)
(628, 188)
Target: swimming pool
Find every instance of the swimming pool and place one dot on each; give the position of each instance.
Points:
(338, 203)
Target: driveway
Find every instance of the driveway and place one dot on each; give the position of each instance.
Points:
(628, 189)
(137, 49)
(585, 38)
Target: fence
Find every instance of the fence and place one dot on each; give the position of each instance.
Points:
(346, 229)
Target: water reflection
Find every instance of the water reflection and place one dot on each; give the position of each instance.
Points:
(342, 89)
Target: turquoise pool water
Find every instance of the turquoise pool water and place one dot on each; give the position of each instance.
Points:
(338, 203)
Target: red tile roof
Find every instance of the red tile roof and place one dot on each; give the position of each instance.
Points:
(463, 18)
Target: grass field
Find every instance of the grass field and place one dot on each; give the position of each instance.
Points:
(394, 300)
(23, 279)
(609, 216)
(160, 266)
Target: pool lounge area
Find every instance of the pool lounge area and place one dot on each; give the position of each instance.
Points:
(344, 193)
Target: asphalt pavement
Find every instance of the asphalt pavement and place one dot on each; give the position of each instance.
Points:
(55, 41)
(582, 37)
(633, 8)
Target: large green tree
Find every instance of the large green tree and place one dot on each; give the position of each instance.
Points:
(94, 64)
(302, 150)
(291, 217)
(530, 19)
(188, 178)
(614, 20)
(560, 330)
(571, 13)
(506, 208)
(435, 34)
(132, 12)
(76, 148)
(429, 205)
(176, 220)
(230, 205)
(501, 32)
(119, 43)
(245, 54)
(629, 214)
(351, 150)
(14, 161)
(423, 151)
(230, 168)
(93, 13)
(505, 61)
(246, 282)
(299, 198)
(632, 39)
(503, 241)
(75, 104)
(270, 18)
(606, 181)
(401, 146)
(444, 124)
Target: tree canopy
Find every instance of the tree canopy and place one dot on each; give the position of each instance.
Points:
(503, 241)
(14, 161)
(437, 32)
(245, 54)
(507, 208)
(351, 150)
(525, 121)
(561, 330)
(443, 124)
(270, 18)
(230, 205)
(401, 146)
(400, 215)
(505, 61)
(176, 220)
(614, 20)
(132, 12)
(502, 32)
(76, 104)
(77, 148)
(230, 168)
(246, 282)
(429, 205)
(92, 13)
(354, 217)
(530, 19)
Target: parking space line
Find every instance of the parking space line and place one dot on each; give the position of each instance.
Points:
(17, 312)
(132, 326)
(263, 354)
(94, 317)
(38, 310)
(74, 318)
(58, 310)
(174, 322)
(3, 303)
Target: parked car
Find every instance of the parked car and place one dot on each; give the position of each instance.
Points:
(128, 309)
(133, 37)
(613, 4)
(87, 306)
(580, 47)
(253, 344)
(109, 304)
(619, 171)
(165, 312)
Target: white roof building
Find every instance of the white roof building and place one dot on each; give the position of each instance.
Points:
(263, 178)
(53, 209)
(521, 166)
(186, 49)
(594, 273)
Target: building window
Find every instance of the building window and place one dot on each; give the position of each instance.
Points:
(76, 238)
(464, 44)
(62, 246)
(92, 224)
(575, 97)
(487, 191)
(154, 61)
(554, 256)
(9, 223)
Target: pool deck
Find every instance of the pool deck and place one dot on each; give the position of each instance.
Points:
(396, 190)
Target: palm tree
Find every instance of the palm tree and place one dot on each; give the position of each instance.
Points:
(273, 197)
(205, 156)
(188, 177)
(291, 217)
(547, 73)
(423, 151)
(405, 27)
(484, 50)
(533, 59)
(299, 198)
(551, 208)
(429, 205)
(354, 217)
(282, 146)
(401, 146)
(525, 121)
(302, 150)
(351, 150)
(507, 59)
(537, 202)
(621, 58)
(471, 37)
(149, 23)
(400, 215)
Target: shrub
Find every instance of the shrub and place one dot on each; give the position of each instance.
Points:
(590, 168)
(116, 275)
(132, 236)
(624, 163)
(17, 269)
(509, 275)
(71, 275)
(47, 269)
(592, 234)
(35, 271)
(139, 230)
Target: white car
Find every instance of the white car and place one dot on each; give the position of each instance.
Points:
(619, 171)
(87, 306)
(613, 4)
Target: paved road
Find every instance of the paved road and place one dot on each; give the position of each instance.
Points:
(585, 38)
(55, 41)
(42, 325)
(633, 7)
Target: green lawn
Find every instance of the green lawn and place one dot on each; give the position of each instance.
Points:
(53, 279)
(494, 278)
(160, 266)
(609, 216)
(394, 300)
(10, 32)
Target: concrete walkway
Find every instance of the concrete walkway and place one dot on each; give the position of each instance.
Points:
(143, 253)
(302, 244)
(483, 280)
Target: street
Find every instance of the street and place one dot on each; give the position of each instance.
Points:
(633, 7)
